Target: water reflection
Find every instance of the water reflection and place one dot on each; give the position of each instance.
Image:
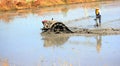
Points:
(9, 16)
(55, 40)
(5, 62)
(99, 42)
(64, 11)
(51, 40)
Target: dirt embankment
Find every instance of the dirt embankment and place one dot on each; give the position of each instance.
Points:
(25, 4)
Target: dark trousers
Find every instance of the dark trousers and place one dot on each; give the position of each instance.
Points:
(98, 19)
(98, 16)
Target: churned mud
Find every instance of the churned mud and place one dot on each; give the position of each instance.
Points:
(102, 31)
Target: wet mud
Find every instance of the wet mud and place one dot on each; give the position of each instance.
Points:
(99, 31)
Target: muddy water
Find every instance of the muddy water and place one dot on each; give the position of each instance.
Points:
(22, 44)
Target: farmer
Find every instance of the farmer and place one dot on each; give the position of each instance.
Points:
(98, 16)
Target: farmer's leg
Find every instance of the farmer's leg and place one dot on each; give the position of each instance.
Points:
(100, 19)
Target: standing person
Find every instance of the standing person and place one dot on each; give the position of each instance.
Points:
(98, 16)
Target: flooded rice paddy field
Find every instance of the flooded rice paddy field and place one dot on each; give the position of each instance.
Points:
(22, 44)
